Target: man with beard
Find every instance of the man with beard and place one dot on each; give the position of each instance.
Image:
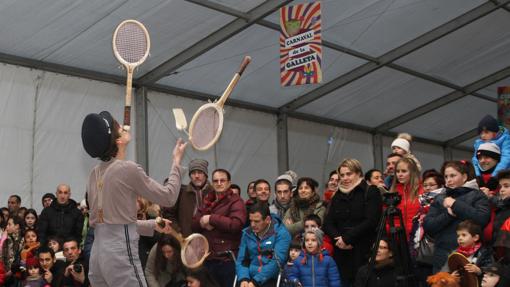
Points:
(389, 172)
(190, 197)
(283, 191)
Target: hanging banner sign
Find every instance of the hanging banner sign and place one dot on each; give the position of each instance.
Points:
(504, 106)
(300, 44)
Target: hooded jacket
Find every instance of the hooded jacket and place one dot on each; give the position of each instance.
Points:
(502, 140)
(470, 203)
(62, 220)
(257, 256)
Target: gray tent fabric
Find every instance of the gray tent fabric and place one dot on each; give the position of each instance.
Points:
(429, 68)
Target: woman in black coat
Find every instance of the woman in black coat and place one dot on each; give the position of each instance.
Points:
(352, 219)
(461, 200)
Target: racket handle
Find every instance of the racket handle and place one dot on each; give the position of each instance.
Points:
(244, 64)
(127, 118)
(160, 222)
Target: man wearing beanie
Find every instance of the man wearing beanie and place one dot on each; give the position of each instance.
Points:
(190, 197)
(283, 191)
(488, 156)
(113, 187)
(490, 132)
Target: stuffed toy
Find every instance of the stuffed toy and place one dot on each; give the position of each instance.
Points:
(443, 279)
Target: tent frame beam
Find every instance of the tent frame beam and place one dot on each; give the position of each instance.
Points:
(444, 100)
(337, 47)
(211, 41)
(395, 54)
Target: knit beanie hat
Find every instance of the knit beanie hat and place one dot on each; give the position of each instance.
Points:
(489, 149)
(200, 165)
(318, 234)
(289, 176)
(488, 123)
(401, 143)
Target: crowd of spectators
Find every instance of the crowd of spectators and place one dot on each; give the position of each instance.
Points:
(294, 230)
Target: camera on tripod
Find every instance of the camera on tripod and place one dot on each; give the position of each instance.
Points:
(391, 199)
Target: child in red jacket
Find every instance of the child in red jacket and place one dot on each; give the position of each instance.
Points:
(313, 221)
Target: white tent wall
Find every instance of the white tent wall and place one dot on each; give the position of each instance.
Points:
(316, 149)
(247, 147)
(51, 153)
(16, 130)
(41, 119)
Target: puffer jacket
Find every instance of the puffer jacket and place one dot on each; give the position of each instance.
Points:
(502, 214)
(314, 272)
(62, 220)
(502, 140)
(408, 206)
(227, 216)
(470, 203)
(257, 256)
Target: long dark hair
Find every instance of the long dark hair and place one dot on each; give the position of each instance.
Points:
(202, 275)
(161, 261)
(34, 213)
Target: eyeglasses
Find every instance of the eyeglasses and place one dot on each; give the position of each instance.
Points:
(220, 181)
(429, 185)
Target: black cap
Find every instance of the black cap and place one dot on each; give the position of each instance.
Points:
(488, 123)
(96, 133)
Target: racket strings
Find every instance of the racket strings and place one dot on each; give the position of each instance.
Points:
(131, 42)
(195, 251)
(206, 127)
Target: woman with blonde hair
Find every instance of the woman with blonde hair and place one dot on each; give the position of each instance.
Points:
(408, 186)
(352, 219)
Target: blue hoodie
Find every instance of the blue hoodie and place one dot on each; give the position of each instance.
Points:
(257, 256)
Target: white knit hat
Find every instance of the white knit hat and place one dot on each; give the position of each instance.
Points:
(489, 149)
(401, 143)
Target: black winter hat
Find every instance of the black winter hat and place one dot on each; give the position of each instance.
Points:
(96, 133)
(488, 123)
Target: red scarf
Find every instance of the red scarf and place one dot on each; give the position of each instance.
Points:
(211, 201)
(469, 250)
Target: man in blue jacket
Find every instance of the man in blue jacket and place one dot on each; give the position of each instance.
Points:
(264, 249)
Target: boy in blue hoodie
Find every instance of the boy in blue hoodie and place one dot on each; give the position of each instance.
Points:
(490, 131)
(313, 267)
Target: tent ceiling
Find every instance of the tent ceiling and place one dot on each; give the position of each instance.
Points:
(389, 65)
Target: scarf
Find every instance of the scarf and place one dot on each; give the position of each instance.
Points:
(211, 200)
(282, 208)
(469, 250)
(346, 189)
(306, 205)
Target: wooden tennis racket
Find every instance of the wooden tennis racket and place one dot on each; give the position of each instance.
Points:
(194, 248)
(207, 123)
(131, 44)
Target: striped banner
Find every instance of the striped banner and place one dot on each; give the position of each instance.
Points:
(300, 44)
(504, 106)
